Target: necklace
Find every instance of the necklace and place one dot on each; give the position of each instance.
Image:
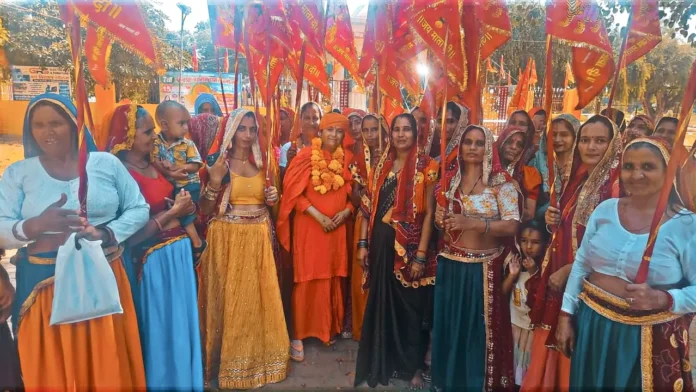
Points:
(472, 188)
(635, 231)
(147, 164)
(244, 161)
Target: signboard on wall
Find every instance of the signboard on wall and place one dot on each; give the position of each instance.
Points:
(194, 84)
(29, 81)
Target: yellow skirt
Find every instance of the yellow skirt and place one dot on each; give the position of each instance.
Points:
(245, 339)
(98, 354)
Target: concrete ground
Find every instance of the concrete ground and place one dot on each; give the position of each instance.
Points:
(324, 368)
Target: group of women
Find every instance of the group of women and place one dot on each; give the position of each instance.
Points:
(441, 275)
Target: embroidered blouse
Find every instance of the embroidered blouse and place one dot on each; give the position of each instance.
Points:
(497, 203)
(113, 196)
(610, 249)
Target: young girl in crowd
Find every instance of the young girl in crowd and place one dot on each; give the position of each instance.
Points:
(521, 281)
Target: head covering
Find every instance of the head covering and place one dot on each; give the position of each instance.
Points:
(559, 169)
(203, 128)
(207, 98)
(620, 117)
(31, 148)
(647, 120)
(453, 144)
(528, 153)
(571, 120)
(515, 168)
(362, 161)
(338, 120)
(121, 123)
(223, 143)
(349, 112)
(534, 111)
(289, 112)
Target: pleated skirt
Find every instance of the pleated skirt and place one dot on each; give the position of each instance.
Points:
(245, 339)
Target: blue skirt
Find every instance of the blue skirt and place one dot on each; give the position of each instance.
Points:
(166, 302)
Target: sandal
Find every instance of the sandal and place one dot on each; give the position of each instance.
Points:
(198, 251)
(297, 355)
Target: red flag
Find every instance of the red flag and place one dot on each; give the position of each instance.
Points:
(502, 67)
(471, 97)
(225, 24)
(405, 43)
(579, 24)
(376, 38)
(489, 66)
(339, 41)
(226, 62)
(391, 108)
(98, 51)
(432, 21)
(496, 29)
(266, 23)
(307, 17)
(519, 98)
(194, 58)
(314, 70)
(122, 21)
(644, 30)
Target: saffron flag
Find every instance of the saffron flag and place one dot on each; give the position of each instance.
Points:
(306, 16)
(314, 70)
(432, 22)
(519, 98)
(266, 24)
(496, 28)
(225, 24)
(98, 51)
(194, 59)
(338, 40)
(489, 67)
(124, 22)
(377, 36)
(391, 108)
(405, 43)
(579, 24)
(644, 30)
(226, 62)
(471, 97)
(570, 95)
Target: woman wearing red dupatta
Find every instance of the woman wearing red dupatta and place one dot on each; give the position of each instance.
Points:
(593, 179)
(400, 270)
(317, 187)
(456, 119)
(472, 338)
(626, 336)
(367, 153)
(512, 145)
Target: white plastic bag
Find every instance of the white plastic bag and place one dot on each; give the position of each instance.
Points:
(85, 285)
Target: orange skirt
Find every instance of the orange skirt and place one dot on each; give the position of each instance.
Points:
(549, 370)
(99, 354)
(317, 308)
(359, 297)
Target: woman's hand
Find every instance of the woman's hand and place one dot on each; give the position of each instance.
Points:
(362, 258)
(326, 223)
(643, 297)
(558, 279)
(565, 335)
(417, 270)
(341, 217)
(55, 219)
(219, 169)
(457, 222)
(552, 216)
(182, 204)
(292, 152)
(91, 233)
(440, 217)
(271, 194)
(515, 265)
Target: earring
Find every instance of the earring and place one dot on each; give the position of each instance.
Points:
(319, 134)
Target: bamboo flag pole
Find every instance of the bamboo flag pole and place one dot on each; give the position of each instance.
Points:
(622, 60)
(443, 136)
(222, 86)
(548, 106)
(236, 77)
(298, 94)
(269, 114)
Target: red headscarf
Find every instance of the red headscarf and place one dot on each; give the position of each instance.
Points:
(516, 168)
(121, 123)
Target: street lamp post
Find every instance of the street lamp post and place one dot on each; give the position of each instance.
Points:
(185, 11)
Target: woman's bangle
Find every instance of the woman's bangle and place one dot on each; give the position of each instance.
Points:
(213, 189)
(157, 222)
(420, 259)
(488, 226)
(15, 232)
(670, 300)
(363, 244)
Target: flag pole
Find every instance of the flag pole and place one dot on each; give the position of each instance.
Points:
(269, 127)
(548, 106)
(443, 137)
(222, 86)
(622, 60)
(298, 94)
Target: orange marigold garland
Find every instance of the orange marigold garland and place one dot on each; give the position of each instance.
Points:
(326, 176)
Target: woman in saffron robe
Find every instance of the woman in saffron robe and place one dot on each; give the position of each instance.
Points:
(244, 334)
(317, 187)
(472, 338)
(622, 335)
(593, 178)
(160, 268)
(512, 145)
(38, 212)
(367, 154)
(401, 268)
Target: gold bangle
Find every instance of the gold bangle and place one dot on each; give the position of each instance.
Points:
(210, 188)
